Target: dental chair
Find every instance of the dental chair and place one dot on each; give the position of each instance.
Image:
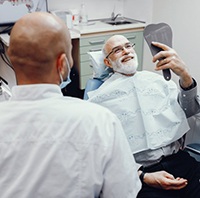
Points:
(192, 140)
(102, 72)
(92, 84)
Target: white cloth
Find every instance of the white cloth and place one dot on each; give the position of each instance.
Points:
(147, 106)
(53, 146)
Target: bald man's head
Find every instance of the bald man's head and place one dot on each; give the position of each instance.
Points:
(37, 40)
(112, 42)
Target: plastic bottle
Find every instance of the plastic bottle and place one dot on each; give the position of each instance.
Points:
(75, 16)
(83, 17)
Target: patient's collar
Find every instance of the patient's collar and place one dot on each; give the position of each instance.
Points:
(125, 74)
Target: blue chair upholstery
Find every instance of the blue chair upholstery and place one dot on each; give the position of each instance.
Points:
(193, 150)
(91, 85)
(192, 140)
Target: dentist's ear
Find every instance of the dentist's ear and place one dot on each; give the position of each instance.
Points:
(61, 61)
(107, 62)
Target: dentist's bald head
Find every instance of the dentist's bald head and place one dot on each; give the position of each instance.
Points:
(39, 45)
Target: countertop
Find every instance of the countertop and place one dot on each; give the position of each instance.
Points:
(98, 26)
(93, 26)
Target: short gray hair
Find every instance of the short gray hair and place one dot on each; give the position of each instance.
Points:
(104, 51)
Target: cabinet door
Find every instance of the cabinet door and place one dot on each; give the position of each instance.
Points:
(88, 44)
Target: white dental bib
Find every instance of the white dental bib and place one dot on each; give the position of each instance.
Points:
(147, 107)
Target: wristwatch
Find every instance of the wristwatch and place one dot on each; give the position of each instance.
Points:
(190, 87)
(142, 176)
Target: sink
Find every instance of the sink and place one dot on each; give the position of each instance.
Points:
(119, 21)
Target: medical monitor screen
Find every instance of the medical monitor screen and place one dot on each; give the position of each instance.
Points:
(12, 10)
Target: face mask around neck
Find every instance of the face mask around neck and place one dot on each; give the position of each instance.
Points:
(64, 83)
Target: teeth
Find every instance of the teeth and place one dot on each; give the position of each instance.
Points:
(127, 59)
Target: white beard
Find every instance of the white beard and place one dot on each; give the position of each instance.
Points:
(128, 67)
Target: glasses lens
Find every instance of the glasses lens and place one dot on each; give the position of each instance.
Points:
(119, 49)
(128, 45)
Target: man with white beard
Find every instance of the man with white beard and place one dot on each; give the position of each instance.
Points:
(153, 114)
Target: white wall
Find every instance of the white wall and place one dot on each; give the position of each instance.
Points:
(184, 18)
(96, 8)
(139, 9)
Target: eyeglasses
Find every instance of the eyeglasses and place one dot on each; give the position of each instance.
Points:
(119, 49)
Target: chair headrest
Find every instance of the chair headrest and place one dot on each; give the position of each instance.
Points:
(100, 70)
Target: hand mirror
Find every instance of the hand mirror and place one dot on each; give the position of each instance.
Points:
(161, 33)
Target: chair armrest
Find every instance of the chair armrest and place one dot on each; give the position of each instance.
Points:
(195, 148)
(91, 85)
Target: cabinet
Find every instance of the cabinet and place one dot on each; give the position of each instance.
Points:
(94, 42)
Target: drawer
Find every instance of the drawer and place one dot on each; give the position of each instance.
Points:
(84, 57)
(134, 37)
(130, 36)
(83, 80)
(92, 41)
(90, 48)
(85, 68)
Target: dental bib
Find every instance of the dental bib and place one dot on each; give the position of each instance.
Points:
(147, 107)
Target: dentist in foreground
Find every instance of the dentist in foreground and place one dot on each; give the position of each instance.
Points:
(54, 146)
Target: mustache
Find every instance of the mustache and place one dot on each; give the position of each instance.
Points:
(130, 55)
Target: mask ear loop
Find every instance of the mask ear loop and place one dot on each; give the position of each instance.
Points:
(64, 83)
(69, 70)
(68, 66)
(61, 78)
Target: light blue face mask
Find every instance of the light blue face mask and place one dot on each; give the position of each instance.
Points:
(64, 83)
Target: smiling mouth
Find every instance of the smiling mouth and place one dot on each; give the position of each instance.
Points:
(127, 59)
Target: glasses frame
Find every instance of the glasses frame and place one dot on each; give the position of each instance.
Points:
(132, 45)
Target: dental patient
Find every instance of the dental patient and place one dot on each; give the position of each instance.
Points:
(153, 113)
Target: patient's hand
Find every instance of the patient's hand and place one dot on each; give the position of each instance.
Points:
(169, 59)
(164, 180)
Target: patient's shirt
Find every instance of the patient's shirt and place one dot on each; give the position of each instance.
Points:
(148, 109)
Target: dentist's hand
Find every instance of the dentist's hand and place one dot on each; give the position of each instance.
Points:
(169, 59)
(164, 180)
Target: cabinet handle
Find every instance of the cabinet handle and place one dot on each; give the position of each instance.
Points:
(95, 50)
(96, 42)
(131, 37)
